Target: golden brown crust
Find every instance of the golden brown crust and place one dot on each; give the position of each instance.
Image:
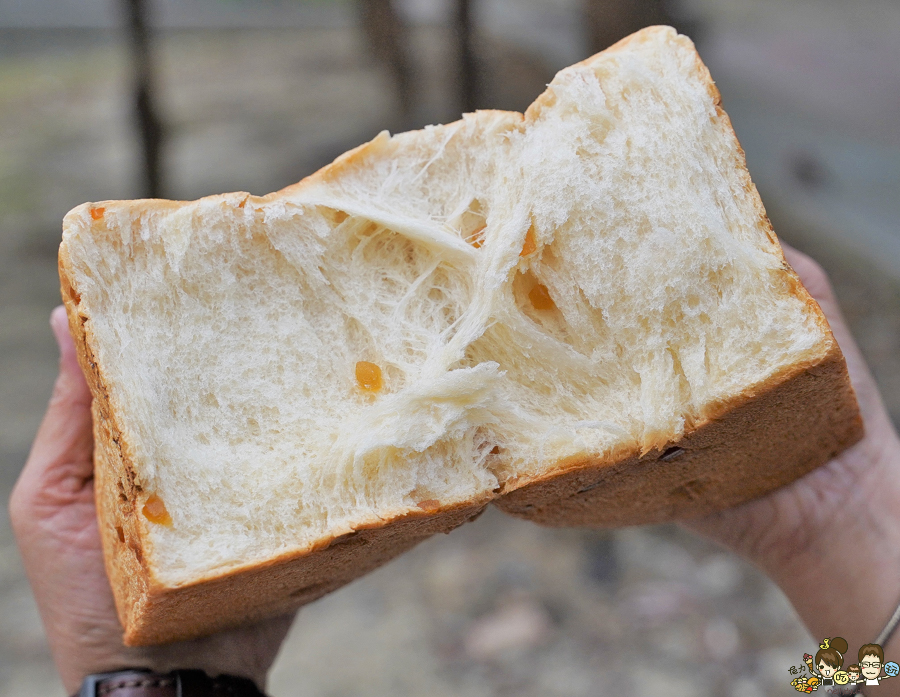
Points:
(124, 540)
(281, 585)
(764, 440)
(275, 587)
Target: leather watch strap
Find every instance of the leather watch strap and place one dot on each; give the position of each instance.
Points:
(179, 683)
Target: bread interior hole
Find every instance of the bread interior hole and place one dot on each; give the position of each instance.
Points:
(472, 223)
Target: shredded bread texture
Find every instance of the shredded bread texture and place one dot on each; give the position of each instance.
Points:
(596, 277)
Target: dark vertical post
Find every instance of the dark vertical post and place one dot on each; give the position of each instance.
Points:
(149, 125)
(468, 68)
(389, 38)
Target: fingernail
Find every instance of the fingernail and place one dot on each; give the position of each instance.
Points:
(59, 322)
(69, 371)
(60, 326)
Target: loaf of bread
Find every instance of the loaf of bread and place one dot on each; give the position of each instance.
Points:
(580, 314)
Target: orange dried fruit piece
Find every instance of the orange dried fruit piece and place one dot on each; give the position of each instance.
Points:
(530, 245)
(368, 376)
(155, 511)
(429, 504)
(97, 213)
(540, 298)
(476, 238)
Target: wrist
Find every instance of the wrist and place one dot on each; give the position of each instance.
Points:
(174, 658)
(179, 683)
(161, 660)
(153, 662)
(246, 652)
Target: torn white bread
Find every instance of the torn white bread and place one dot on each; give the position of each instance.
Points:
(584, 286)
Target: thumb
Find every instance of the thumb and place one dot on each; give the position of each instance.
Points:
(70, 384)
(63, 446)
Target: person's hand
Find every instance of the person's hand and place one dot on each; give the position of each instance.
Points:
(831, 540)
(55, 523)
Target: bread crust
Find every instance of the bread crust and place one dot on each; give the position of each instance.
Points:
(766, 437)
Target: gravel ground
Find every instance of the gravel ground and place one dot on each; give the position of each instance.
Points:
(500, 607)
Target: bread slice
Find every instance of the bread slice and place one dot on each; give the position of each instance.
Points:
(580, 313)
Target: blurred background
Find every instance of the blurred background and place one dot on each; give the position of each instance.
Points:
(104, 99)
